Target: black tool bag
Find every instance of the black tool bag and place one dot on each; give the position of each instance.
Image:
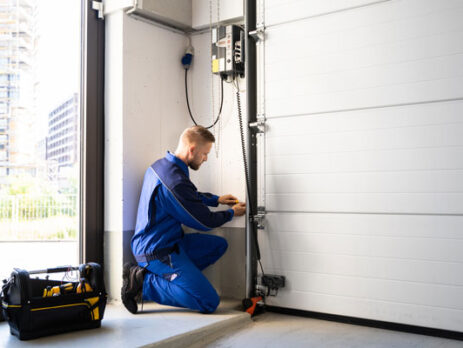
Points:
(31, 313)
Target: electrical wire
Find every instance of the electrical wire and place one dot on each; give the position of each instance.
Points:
(188, 102)
(261, 268)
(69, 275)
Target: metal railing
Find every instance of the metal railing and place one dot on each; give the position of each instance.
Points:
(40, 217)
(27, 207)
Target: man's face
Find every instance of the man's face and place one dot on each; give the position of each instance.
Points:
(199, 155)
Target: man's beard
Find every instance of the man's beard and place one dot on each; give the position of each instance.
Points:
(194, 166)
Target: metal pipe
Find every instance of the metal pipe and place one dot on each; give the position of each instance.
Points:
(251, 108)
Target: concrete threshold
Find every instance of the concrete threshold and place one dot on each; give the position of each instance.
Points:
(225, 321)
(156, 326)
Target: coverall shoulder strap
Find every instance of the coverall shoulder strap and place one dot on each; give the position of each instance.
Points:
(169, 174)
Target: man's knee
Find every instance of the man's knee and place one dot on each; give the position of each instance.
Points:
(206, 300)
(222, 245)
(209, 304)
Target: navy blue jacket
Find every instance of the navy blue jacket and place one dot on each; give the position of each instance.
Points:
(169, 199)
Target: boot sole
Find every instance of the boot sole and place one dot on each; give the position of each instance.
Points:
(126, 295)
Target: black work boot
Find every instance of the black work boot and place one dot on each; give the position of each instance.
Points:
(132, 286)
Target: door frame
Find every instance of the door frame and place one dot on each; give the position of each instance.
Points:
(92, 135)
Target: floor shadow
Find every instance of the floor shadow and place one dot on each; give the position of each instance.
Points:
(165, 310)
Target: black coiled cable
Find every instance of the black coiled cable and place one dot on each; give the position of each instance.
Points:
(246, 174)
(188, 102)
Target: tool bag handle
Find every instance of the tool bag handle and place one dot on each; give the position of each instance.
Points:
(54, 270)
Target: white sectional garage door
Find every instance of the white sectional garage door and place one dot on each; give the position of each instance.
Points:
(364, 158)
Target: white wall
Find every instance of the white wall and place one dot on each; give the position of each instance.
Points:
(113, 189)
(145, 113)
(228, 10)
(155, 112)
(223, 172)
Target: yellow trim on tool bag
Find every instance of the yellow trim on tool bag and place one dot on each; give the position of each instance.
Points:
(95, 312)
(89, 302)
(6, 305)
(62, 306)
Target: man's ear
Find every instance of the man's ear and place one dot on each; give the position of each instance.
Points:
(191, 150)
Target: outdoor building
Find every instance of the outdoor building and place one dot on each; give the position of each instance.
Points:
(62, 141)
(18, 41)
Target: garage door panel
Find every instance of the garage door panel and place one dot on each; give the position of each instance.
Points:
(381, 225)
(391, 203)
(391, 54)
(404, 313)
(370, 58)
(364, 158)
(277, 10)
(425, 249)
(386, 182)
(373, 38)
(375, 267)
(418, 115)
(280, 11)
(375, 139)
(387, 160)
(385, 76)
(401, 167)
(376, 289)
(382, 96)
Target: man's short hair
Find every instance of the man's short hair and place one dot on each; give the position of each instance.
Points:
(198, 135)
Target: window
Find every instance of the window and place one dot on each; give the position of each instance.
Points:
(42, 194)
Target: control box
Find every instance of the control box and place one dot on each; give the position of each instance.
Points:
(228, 50)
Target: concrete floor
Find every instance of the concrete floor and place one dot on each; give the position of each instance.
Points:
(278, 330)
(163, 326)
(157, 326)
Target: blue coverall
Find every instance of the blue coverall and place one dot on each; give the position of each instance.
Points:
(169, 199)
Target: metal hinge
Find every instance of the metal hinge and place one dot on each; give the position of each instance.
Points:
(259, 218)
(98, 6)
(259, 125)
(258, 34)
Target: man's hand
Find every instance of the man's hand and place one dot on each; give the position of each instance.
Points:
(228, 199)
(239, 209)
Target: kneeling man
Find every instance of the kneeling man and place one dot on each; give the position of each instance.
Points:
(169, 261)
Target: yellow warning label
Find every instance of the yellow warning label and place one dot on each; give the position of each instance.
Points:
(215, 65)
